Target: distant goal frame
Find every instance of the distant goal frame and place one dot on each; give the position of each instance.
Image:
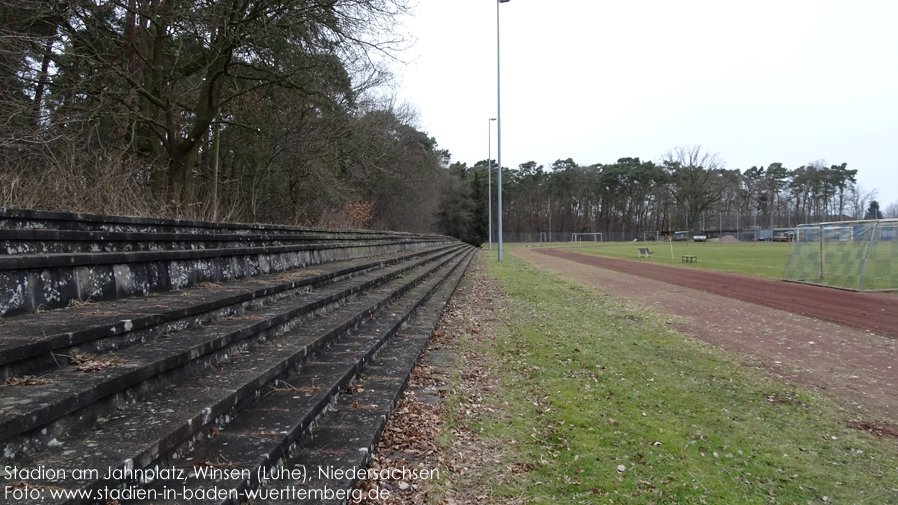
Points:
(575, 235)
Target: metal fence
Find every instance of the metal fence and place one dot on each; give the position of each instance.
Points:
(615, 236)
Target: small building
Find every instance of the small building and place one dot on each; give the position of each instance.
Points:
(775, 234)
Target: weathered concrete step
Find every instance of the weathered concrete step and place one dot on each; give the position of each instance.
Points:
(32, 261)
(30, 283)
(33, 241)
(34, 344)
(59, 406)
(24, 219)
(167, 429)
(340, 445)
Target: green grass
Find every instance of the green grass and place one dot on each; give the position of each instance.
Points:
(767, 259)
(606, 403)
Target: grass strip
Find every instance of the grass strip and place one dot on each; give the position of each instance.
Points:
(603, 402)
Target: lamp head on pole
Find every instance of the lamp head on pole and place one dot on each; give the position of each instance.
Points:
(492, 119)
(504, 1)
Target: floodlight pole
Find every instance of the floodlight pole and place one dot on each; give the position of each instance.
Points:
(489, 176)
(499, 124)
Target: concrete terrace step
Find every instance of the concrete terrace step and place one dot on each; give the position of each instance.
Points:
(248, 411)
(70, 398)
(37, 260)
(21, 219)
(31, 241)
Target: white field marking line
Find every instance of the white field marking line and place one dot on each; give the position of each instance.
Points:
(743, 265)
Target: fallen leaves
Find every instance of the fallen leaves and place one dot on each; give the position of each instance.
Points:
(28, 380)
(86, 362)
(519, 468)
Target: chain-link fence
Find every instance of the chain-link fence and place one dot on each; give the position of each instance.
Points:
(617, 236)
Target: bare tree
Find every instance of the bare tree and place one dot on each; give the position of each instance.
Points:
(891, 211)
(860, 199)
(698, 179)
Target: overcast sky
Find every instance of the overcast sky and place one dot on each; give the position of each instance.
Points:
(791, 81)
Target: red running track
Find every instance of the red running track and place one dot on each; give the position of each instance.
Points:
(877, 312)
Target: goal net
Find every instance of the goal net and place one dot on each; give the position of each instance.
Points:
(856, 255)
(595, 237)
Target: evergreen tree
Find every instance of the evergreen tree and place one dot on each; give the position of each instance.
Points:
(873, 211)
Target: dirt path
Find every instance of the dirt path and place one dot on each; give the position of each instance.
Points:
(818, 337)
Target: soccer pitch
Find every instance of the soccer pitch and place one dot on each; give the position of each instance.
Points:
(766, 259)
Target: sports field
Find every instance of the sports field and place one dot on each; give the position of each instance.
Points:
(766, 259)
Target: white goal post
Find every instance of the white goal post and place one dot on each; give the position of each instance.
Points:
(575, 235)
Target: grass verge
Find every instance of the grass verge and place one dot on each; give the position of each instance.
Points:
(600, 402)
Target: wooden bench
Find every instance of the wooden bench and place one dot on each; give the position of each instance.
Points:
(645, 251)
(689, 258)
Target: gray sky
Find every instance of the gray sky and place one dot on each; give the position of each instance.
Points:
(791, 81)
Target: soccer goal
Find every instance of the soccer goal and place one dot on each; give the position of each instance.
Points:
(596, 237)
(855, 255)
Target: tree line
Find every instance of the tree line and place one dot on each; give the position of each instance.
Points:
(687, 188)
(253, 110)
